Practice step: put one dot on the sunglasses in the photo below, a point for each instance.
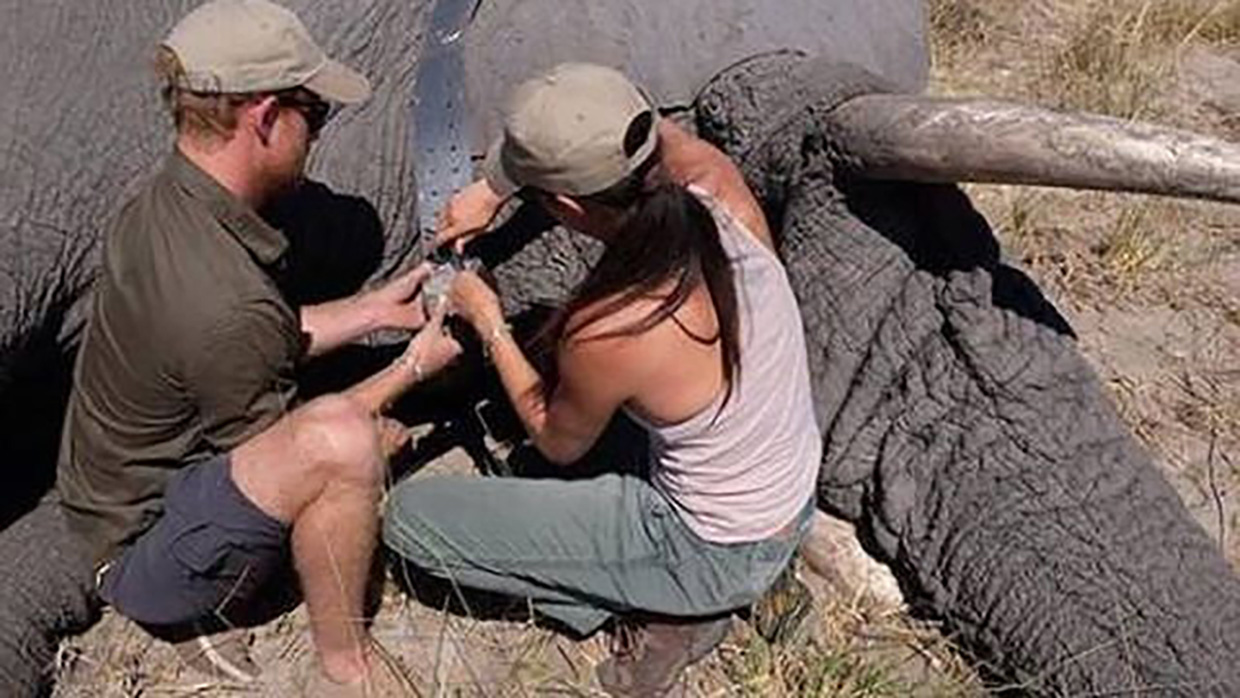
(315, 111)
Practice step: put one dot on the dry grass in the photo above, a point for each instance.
(853, 651)
(1100, 68)
(1120, 59)
(1181, 22)
(846, 649)
(1135, 246)
(957, 25)
(1143, 280)
(1115, 57)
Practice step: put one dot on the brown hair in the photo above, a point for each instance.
(209, 115)
(666, 234)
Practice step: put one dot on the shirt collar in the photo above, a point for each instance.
(262, 240)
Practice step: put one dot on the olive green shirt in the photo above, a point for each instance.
(191, 348)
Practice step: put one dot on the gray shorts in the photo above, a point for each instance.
(211, 550)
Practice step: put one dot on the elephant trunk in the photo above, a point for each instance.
(906, 137)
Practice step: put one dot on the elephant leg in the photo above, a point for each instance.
(48, 594)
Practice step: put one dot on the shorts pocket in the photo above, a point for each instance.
(658, 519)
(200, 548)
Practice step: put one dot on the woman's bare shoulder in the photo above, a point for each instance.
(611, 318)
(693, 161)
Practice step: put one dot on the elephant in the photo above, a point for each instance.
(964, 434)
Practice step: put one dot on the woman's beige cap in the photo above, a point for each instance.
(564, 132)
(242, 46)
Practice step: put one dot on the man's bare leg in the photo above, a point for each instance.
(321, 470)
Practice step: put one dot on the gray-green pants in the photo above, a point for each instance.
(579, 550)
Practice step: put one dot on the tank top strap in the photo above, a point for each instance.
(736, 236)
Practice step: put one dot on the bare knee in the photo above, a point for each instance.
(326, 444)
(338, 441)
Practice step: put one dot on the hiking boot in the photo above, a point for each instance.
(647, 658)
(782, 610)
(386, 678)
(224, 656)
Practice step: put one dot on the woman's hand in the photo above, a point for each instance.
(467, 214)
(473, 300)
(431, 349)
(393, 435)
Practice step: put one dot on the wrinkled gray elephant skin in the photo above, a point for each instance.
(80, 128)
(965, 434)
(47, 594)
(673, 49)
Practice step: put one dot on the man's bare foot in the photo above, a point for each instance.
(383, 677)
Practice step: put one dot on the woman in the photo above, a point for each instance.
(688, 324)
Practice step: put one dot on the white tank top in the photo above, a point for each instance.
(744, 475)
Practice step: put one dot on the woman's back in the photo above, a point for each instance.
(739, 457)
(738, 464)
(675, 366)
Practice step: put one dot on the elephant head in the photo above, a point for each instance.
(964, 433)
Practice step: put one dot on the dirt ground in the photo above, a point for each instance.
(1152, 287)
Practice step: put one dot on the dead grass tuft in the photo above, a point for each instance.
(1119, 57)
(758, 669)
(1136, 245)
(853, 650)
(1180, 22)
(957, 24)
(1108, 65)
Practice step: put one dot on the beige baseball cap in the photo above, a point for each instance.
(565, 132)
(242, 46)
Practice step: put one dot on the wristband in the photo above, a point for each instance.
(414, 364)
(494, 336)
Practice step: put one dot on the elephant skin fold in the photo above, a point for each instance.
(965, 436)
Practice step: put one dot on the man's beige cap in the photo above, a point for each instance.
(242, 46)
(565, 131)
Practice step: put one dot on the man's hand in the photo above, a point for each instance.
(397, 305)
(467, 214)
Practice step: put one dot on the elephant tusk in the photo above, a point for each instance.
(970, 140)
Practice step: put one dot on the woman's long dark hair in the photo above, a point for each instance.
(666, 233)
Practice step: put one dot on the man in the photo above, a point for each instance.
(184, 463)
(687, 324)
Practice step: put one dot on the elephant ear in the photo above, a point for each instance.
(757, 101)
